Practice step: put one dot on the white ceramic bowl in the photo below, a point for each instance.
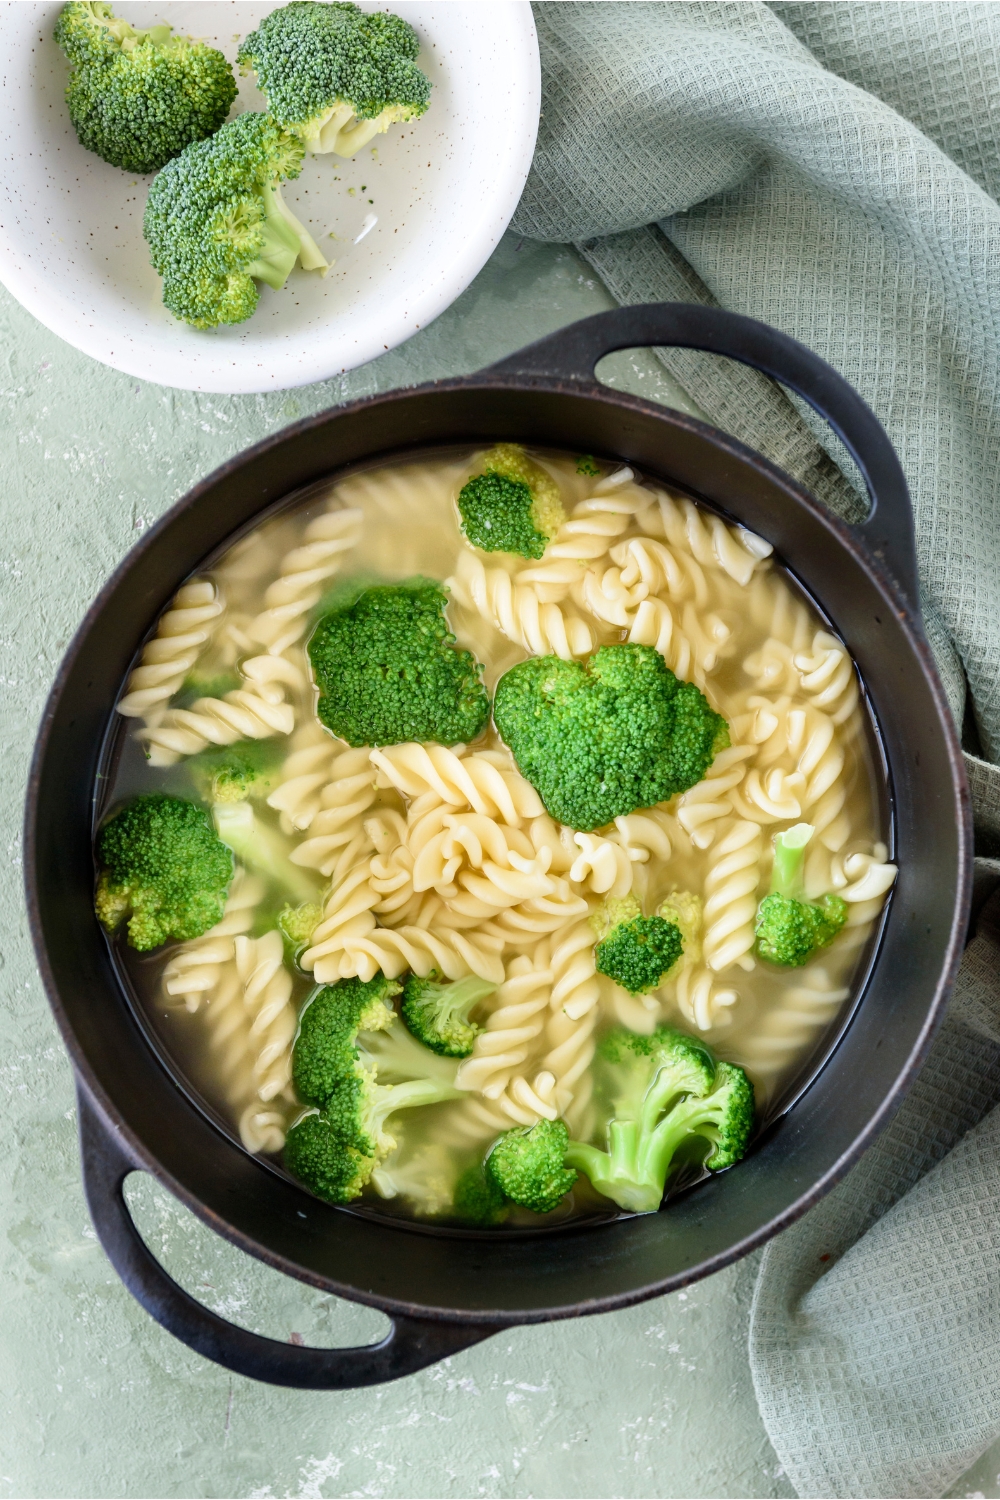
(441, 191)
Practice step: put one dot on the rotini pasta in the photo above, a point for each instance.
(181, 636)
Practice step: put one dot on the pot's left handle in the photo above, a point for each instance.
(410, 1345)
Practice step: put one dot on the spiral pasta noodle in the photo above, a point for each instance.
(731, 898)
(253, 713)
(505, 1041)
(267, 990)
(182, 634)
(518, 613)
(787, 1028)
(828, 677)
(195, 969)
(701, 810)
(484, 781)
(338, 822)
(301, 577)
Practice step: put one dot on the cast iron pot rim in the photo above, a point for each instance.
(839, 531)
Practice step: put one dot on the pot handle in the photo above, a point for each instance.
(572, 353)
(410, 1345)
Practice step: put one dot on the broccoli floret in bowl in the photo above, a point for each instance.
(163, 866)
(138, 97)
(349, 1040)
(637, 952)
(597, 739)
(336, 75)
(388, 669)
(666, 1091)
(790, 929)
(216, 222)
(512, 505)
(438, 1014)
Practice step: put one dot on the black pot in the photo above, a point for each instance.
(445, 1292)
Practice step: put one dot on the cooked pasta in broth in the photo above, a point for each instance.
(502, 950)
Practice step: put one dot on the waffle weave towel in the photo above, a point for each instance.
(833, 169)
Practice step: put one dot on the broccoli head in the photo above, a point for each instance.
(297, 925)
(137, 98)
(248, 769)
(528, 1165)
(513, 505)
(665, 1091)
(216, 222)
(388, 670)
(637, 952)
(343, 1049)
(326, 1047)
(478, 1201)
(586, 464)
(438, 1014)
(790, 929)
(600, 738)
(334, 74)
(163, 866)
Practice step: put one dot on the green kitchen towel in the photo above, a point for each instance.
(833, 169)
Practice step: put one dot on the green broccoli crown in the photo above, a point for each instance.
(600, 738)
(297, 925)
(438, 1014)
(478, 1201)
(342, 1050)
(528, 1166)
(789, 929)
(138, 98)
(326, 1047)
(586, 464)
(235, 773)
(789, 932)
(161, 861)
(215, 221)
(388, 670)
(666, 1090)
(313, 60)
(639, 954)
(512, 506)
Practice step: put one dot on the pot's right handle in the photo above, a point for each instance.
(572, 353)
(410, 1345)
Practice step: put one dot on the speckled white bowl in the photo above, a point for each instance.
(442, 191)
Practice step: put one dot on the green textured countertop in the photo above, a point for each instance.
(98, 1400)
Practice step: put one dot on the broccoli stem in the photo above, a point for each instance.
(386, 1099)
(619, 1173)
(260, 849)
(789, 861)
(311, 257)
(285, 242)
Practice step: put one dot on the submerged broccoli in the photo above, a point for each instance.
(528, 1165)
(343, 1048)
(297, 925)
(637, 952)
(334, 74)
(216, 222)
(789, 928)
(161, 861)
(137, 98)
(478, 1201)
(248, 769)
(438, 1014)
(388, 670)
(263, 850)
(512, 506)
(666, 1091)
(600, 738)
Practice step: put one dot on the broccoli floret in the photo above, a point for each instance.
(666, 1090)
(790, 929)
(263, 850)
(600, 738)
(513, 505)
(161, 861)
(216, 222)
(438, 1014)
(335, 75)
(326, 1047)
(249, 769)
(585, 464)
(388, 670)
(478, 1201)
(528, 1165)
(638, 952)
(341, 1050)
(137, 98)
(424, 1176)
(297, 925)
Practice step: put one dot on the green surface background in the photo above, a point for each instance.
(98, 1400)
